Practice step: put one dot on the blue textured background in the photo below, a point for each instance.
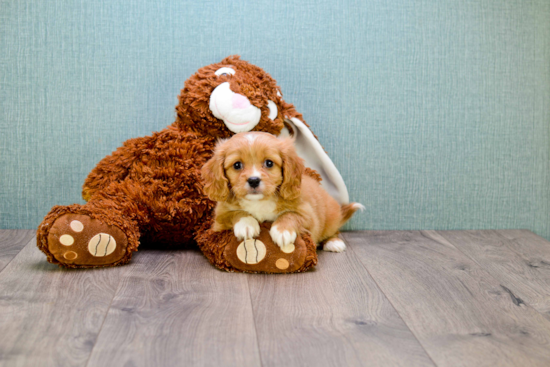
(436, 112)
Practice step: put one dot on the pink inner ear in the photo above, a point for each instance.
(240, 101)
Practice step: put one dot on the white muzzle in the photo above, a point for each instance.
(236, 111)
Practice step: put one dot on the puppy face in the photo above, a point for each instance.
(253, 166)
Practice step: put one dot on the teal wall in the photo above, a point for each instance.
(436, 112)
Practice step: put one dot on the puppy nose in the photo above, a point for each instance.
(254, 182)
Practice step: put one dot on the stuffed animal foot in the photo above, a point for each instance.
(76, 237)
(259, 254)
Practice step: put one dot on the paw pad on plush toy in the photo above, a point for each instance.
(102, 244)
(261, 254)
(79, 239)
(251, 251)
(288, 249)
(282, 264)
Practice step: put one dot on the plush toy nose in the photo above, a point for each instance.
(240, 101)
(254, 182)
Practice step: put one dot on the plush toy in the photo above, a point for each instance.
(150, 191)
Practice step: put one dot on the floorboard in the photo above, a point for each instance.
(333, 316)
(461, 314)
(11, 242)
(393, 298)
(50, 316)
(174, 309)
(519, 259)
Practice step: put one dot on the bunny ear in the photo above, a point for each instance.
(314, 156)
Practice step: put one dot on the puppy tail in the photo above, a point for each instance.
(348, 210)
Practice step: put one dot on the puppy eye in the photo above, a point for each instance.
(237, 165)
(268, 163)
(225, 71)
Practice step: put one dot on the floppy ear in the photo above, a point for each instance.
(216, 185)
(293, 168)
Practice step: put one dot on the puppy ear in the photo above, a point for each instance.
(293, 168)
(216, 185)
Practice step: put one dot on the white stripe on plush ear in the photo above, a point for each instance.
(315, 158)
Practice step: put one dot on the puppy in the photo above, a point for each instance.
(256, 177)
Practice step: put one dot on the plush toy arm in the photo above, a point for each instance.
(113, 167)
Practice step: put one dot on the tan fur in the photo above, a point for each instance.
(296, 201)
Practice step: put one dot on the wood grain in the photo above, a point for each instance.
(175, 309)
(519, 259)
(11, 242)
(332, 316)
(459, 298)
(459, 313)
(50, 316)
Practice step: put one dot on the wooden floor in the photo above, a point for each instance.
(395, 298)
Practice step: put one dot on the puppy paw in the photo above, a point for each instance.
(335, 245)
(246, 227)
(282, 238)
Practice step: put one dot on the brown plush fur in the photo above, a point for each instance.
(151, 187)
